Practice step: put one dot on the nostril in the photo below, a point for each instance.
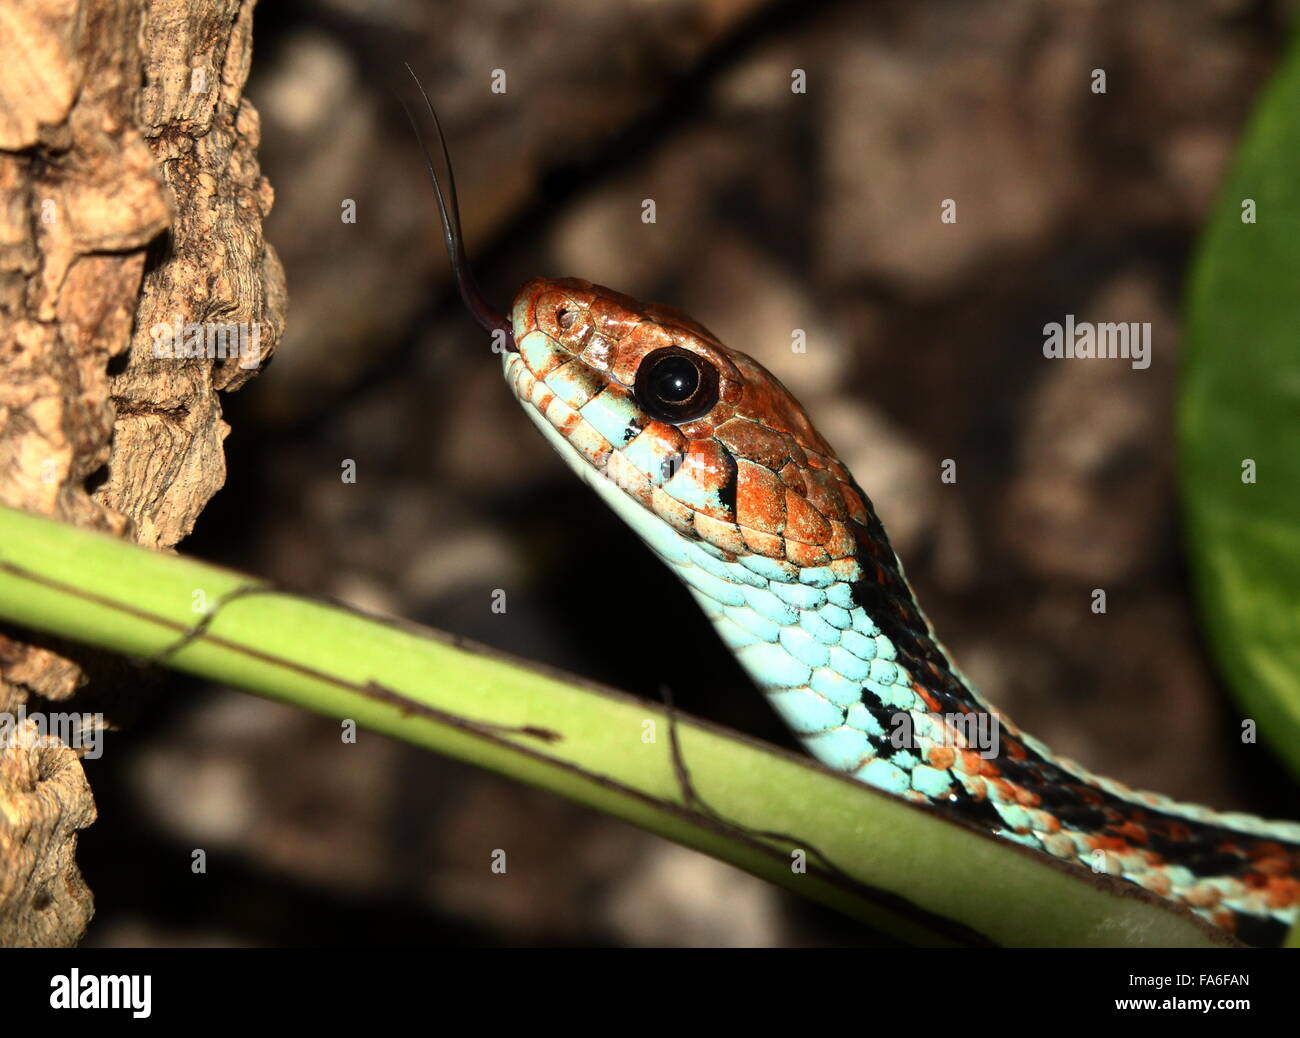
(565, 318)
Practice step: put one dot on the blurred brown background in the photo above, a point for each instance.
(775, 211)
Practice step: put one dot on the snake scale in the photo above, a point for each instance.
(718, 469)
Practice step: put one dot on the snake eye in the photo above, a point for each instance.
(676, 385)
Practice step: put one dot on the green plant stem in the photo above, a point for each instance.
(901, 868)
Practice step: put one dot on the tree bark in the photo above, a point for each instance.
(131, 210)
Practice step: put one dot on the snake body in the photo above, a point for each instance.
(716, 466)
(740, 497)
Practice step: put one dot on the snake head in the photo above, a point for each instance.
(665, 421)
(650, 407)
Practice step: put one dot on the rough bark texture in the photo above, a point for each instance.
(130, 200)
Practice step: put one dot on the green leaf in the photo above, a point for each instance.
(1240, 407)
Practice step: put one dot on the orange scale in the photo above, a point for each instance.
(1266, 849)
(1130, 830)
(842, 543)
(792, 477)
(632, 348)
(803, 522)
(766, 544)
(1014, 750)
(989, 768)
(1282, 892)
(1045, 822)
(1273, 866)
(932, 704)
(730, 391)
(705, 428)
(847, 569)
(977, 788)
(754, 442)
(722, 535)
(612, 331)
(942, 757)
(611, 318)
(824, 493)
(760, 498)
(1225, 921)
(857, 508)
(806, 554)
(1004, 790)
(547, 307)
(673, 512)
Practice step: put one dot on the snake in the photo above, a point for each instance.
(715, 466)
